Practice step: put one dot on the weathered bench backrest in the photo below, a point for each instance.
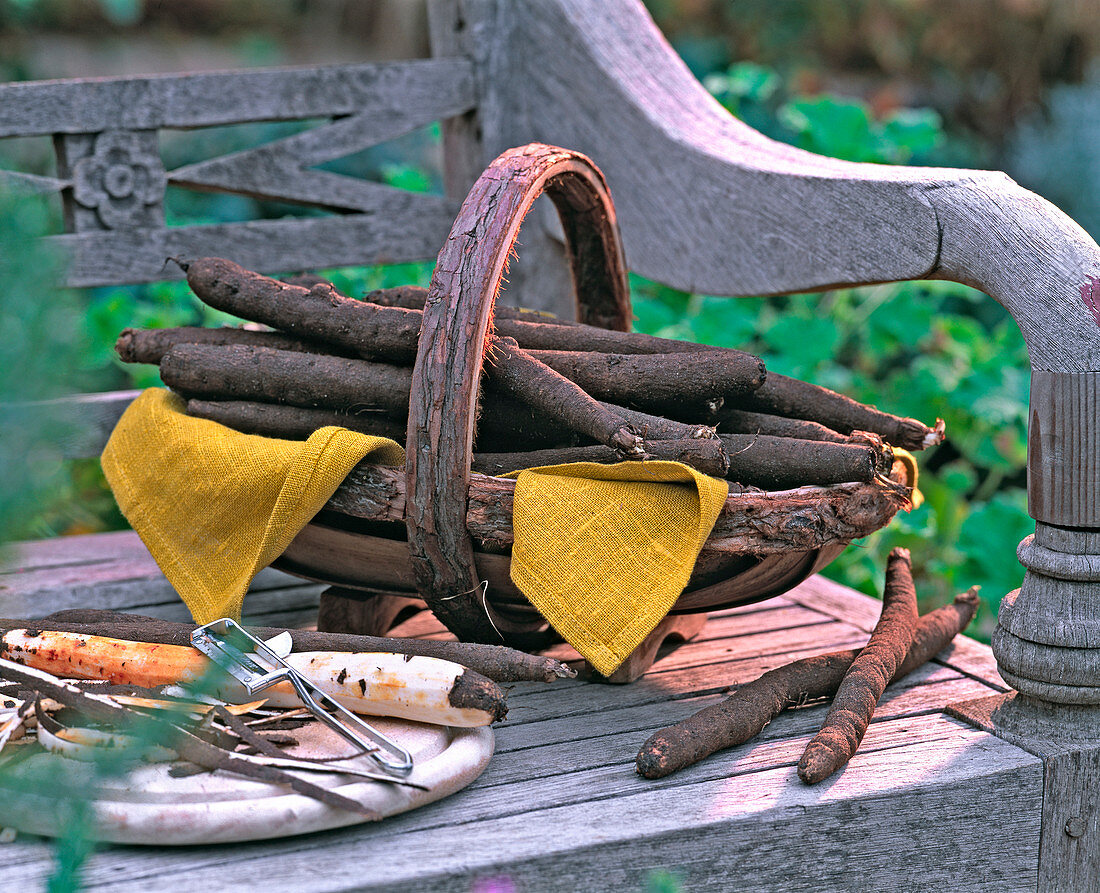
(112, 179)
(705, 203)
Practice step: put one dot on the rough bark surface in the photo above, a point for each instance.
(796, 399)
(658, 380)
(779, 463)
(237, 372)
(752, 522)
(523, 377)
(150, 345)
(706, 456)
(320, 313)
(856, 697)
(292, 422)
(730, 420)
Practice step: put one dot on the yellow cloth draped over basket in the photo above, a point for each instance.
(603, 551)
(215, 506)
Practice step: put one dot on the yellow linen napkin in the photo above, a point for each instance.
(603, 551)
(214, 506)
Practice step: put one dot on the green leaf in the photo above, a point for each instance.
(840, 128)
(803, 343)
(911, 132)
(747, 80)
(407, 177)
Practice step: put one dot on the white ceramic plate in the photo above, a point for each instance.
(149, 806)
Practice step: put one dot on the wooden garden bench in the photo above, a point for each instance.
(961, 782)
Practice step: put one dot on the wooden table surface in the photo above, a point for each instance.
(927, 803)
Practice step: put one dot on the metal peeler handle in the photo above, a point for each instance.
(213, 640)
(320, 704)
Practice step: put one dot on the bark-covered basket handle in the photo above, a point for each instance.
(458, 314)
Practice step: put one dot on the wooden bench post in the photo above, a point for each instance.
(539, 277)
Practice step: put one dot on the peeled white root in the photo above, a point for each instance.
(417, 688)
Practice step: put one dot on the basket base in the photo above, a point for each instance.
(375, 613)
(333, 551)
(364, 613)
(675, 629)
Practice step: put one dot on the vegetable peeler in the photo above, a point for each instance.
(258, 665)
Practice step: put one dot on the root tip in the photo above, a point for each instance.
(818, 763)
(561, 671)
(652, 760)
(936, 435)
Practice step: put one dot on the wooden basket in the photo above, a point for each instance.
(438, 531)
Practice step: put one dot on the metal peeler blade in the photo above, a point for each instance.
(257, 665)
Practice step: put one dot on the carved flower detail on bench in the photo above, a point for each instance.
(119, 179)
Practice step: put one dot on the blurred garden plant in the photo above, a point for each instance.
(39, 353)
(40, 356)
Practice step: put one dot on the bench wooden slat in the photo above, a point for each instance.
(115, 571)
(80, 423)
(30, 184)
(281, 169)
(203, 100)
(409, 229)
(605, 739)
(536, 784)
(919, 694)
(564, 774)
(660, 684)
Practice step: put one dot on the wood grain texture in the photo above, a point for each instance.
(1064, 449)
(862, 611)
(206, 100)
(540, 277)
(281, 169)
(1067, 739)
(117, 180)
(114, 571)
(364, 614)
(751, 221)
(1069, 850)
(701, 830)
(1051, 612)
(739, 228)
(755, 522)
(1047, 640)
(1068, 539)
